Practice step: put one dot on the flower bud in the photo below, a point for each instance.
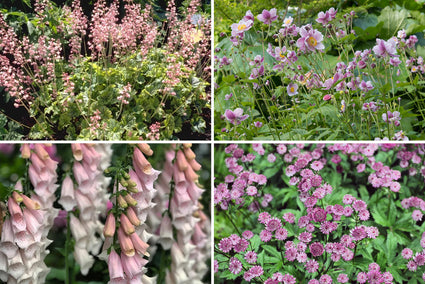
(121, 202)
(41, 152)
(191, 175)
(132, 216)
(190, 155)
(26, 151)
(126, 225)
(145, 148)
(130, 200)
(181, 161)
(109, 229)
(29, 203)
(125, 243)
(140, 161)
(123, 182)
(187, 145)
(138, 244)
(17, 197)
(195, 165)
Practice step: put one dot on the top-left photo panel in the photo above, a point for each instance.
(105, 70)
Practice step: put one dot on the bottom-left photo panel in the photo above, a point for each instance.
(105, 213)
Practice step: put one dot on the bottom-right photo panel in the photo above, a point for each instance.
(319, 213)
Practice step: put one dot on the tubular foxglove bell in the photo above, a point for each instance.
(67, 199)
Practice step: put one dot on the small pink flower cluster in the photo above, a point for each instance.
(375, 275)
(154, 134)
(125, 94)
(417, 260)
(415, 202)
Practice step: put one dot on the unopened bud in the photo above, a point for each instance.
(145, 148)
(25, 151)
(130, 200)
(109, 229)
(181, 161)
(121, 201)
(123, 182)
(17, 197)
(29, 203)
(126, 225)
(195, 165)
(189, 154)
(132, 216)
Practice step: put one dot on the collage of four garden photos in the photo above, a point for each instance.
(190, 141)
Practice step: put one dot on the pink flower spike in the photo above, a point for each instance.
(115, 268)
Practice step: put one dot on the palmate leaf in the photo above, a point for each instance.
(394, 20)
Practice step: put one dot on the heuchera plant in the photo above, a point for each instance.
(316, 213)
(122, 214)
(306, 82)
(108, 77)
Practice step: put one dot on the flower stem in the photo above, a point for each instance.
(67, 244)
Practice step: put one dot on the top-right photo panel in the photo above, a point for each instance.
(319, 70)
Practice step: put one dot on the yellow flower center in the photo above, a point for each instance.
(292, 89)
(288, 21)
(282, 55)
(241, 27)
(312, 41)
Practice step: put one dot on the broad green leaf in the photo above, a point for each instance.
(394, 20)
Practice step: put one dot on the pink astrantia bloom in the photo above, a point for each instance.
(268, 17)
(235, 117)
(310, 40)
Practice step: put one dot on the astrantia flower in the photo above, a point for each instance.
(235, 266)
(292, 89)
(311, 266)
(385, 48)
(265, 236)
(268, 17)
(251, 257)
(406, 253)
(273, 224)
(235, 117)
(281, 234)
(316, 249)
(310, 40)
